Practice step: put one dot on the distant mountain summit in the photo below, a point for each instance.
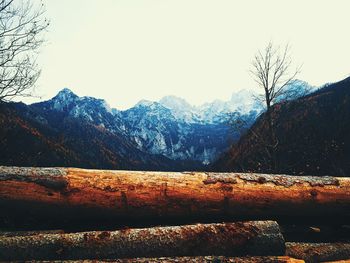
(64, 99)
(180, 108)
(213, 112)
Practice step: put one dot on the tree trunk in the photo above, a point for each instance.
(62, 193)
(230, 239)
(318, 252)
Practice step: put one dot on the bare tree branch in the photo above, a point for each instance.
(21, 35)
(271, 70)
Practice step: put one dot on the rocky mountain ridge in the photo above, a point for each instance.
(170, 127)
(169, 134)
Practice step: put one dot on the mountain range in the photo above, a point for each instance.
(170, 134)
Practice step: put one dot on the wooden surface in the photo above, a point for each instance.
(134, 194)
(318, 252)
(230, 239)
(204, 259)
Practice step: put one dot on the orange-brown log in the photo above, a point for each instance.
(318, 252)
(135, 194)
(338, 261)
(28, 233)
(203, 259)
(230, 239)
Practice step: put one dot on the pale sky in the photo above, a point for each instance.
(127, 50)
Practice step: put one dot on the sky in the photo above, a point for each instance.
(201, 50)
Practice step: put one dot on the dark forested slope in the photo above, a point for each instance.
(313, 134)
(30, 136)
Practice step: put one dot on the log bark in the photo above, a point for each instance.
(338, 261)
(131, 194)
(204, 259)
(28, 233)
(318, 252)
(230, 239)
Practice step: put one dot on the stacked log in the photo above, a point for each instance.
(205, 259)
(318, 252)
(75, 196)
(231, 239)
(126, 194)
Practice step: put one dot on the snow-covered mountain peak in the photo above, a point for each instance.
(149, 109)
(65, 91)
(67, 98)
(175, 103)
(296, 89)
(180, 108)
(65, 94)
(96, 102)
(243, 93)
(63, 99)
(244, 101)
(145, 103)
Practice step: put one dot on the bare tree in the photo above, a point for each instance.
(271, 69)
(22, 25)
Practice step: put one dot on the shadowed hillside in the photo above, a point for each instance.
(32, 137)
(313, 134)
(69, 130)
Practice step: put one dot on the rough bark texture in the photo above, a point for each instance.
(318, 252)
(231, 239)
(338, 261)
(28, 233)
(70, 191)
(206, 259)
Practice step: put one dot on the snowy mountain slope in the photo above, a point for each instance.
(96, 111)
(213, 112)
(155, 129)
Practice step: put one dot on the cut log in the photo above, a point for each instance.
(128, 194)
(318, 252)
(213, 259)
(231, 239)
(338, 261)
(28, 233)
(205, 259)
